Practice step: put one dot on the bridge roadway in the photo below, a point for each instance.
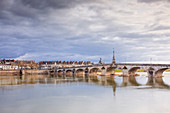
(154, 70)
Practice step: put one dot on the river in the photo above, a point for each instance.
(98, 94)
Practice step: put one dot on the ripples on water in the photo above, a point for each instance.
(98, 94)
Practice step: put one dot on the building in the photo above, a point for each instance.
(8, 64)
(26, 64)
(61, 64)
(100, 61)
(11, 64)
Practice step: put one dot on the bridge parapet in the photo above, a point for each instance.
(154, 70)
(104, 69)
(128, 68)
(139, 64)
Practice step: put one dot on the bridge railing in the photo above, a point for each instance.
(138, 64)
(75, 67)
(124, 64)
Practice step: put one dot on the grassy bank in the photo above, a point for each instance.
(138, 70)
(118, 70)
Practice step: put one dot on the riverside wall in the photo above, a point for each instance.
(9, 72)
(32, 72)
(26, 72)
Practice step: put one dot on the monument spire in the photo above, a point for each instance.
(100, 61)
(113, 60)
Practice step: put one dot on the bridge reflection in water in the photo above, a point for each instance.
(113, 81)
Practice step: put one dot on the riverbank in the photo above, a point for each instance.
(27, 72)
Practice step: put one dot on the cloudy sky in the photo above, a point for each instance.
(85, 30)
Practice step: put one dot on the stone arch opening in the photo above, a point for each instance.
(80, 72)
(103, 68)
(69, 73)
(60, 73)
(133, 70)
(124, 67)
(159, 73)
(95, 71)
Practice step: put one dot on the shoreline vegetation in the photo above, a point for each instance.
(138, 70)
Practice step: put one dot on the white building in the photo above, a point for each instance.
(8, 67)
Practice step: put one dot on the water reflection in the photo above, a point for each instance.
(166, 77)
(83, 94)
(114, 81)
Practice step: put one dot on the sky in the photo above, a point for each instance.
(86, 30)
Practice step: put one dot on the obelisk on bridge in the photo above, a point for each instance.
(113, 60)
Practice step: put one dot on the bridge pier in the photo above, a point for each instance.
(73, 73)
(86, 71)
(55, 73)
(151, 73)
(64, 73)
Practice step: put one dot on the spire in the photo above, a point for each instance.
(113, 60)
(100, 61)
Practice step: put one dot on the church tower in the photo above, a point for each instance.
(100, 61)
(113, 60)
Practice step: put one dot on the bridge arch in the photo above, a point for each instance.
(94, 71)
(60, 73)
(69, 73)
(159, 72)
(80, 72)
(103, 68)
(133, 70)
(124, 67)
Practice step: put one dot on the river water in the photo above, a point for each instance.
(45, 94)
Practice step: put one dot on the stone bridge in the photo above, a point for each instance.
(90, 70)
(153, 70)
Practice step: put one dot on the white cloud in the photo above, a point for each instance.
(57, 56)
